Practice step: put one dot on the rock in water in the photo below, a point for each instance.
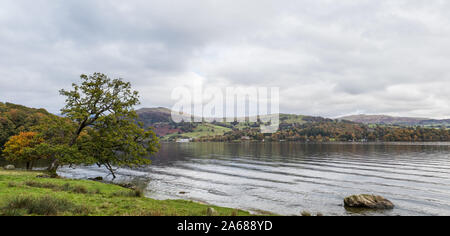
(368, 201)
(96, 178)
(10, 167)
(211, 212)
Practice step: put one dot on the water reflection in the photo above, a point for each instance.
(287, 178)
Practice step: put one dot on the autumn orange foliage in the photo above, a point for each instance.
(21, 148)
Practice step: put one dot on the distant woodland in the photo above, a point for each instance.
(292, 128)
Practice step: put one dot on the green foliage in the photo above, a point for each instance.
(58, 134)
(51, 130)
(100, 127)
(96, 97)
(16, 118)
(107, 132)
(329, 130)
(7, 129)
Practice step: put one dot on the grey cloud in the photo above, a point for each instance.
(328, 58)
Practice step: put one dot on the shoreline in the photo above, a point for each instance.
(92, 198)
(330, 142)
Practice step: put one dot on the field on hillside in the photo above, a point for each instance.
(202, 130)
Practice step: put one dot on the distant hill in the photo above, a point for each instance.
(298, 128)
(150, 116)
(16, 118)
(391, 120)
(160, 119)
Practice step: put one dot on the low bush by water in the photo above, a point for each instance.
(129, 193)
(66, 187)
(46, 206)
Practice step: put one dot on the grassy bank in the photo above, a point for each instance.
(23, 193)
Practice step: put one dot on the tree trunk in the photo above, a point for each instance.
(55, 164)
(111, 170)
(53, 168)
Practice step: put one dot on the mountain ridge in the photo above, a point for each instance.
(395, 120)
(361, 118)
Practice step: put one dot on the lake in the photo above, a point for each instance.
(288, 178)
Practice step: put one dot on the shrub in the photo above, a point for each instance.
(138, 192)
(79, 189)
(128, 193)
(45, 206)
(35, 184)
(66, 187)
(14, 212)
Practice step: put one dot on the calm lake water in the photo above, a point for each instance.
(287, 178)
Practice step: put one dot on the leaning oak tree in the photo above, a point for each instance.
(118, 141)
(107, 132)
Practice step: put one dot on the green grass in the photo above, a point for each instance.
(21, 193)
(292, 119)
(244, 125)
(202, 130)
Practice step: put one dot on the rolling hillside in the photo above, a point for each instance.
(400, 121)
(162, 123)
(17, 118)
(161, 120)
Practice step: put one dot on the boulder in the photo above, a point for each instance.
(368, 201)
(10, 167)
(128, 185)
(211, 212)
(99, 178)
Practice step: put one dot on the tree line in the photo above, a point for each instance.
(331, 130)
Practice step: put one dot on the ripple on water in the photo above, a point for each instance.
(287, 178)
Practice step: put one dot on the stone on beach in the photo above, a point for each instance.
(10, 167)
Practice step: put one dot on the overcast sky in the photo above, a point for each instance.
(329, 58)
